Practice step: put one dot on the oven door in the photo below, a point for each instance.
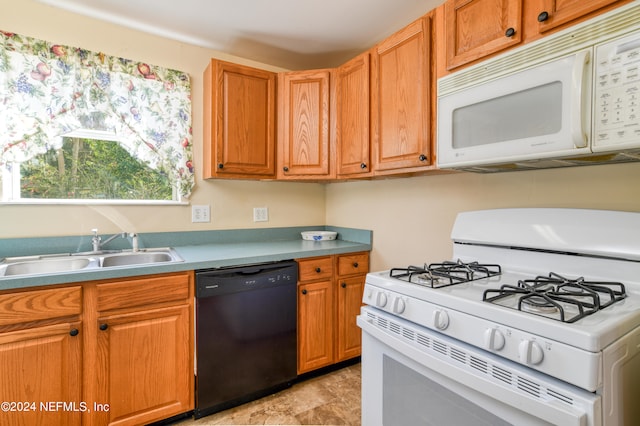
(412, 375)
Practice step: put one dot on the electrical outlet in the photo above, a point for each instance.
(200, 214)
(260, 214)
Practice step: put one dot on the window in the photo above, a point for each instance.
(88, 169)
(81, 125)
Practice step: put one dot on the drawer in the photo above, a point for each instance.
(143, 291)
(36, 305)
(351, 264)
(315, 268)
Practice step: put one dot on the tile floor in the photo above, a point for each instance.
(331, 399)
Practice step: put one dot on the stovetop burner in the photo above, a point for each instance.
(436, 275)
(557, 297)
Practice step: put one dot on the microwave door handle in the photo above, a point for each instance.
(580, 135)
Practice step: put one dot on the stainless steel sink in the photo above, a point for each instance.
(44, 266)
(51, 264)
(138, 258)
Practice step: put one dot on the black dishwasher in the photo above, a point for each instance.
(246, 334)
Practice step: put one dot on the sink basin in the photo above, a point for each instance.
(90, 261)
(140, 258)
(45, 266)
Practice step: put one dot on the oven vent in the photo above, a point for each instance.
(423, 340)
(382, 322)
(408, 334)
(529, 386)
(478, 364)
(395, 327)
(458, 355)
(501, 374)
(440, 347)
(557, 395)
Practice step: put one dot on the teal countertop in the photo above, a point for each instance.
(200, 250)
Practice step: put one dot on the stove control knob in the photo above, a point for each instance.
(381, 300)
(398, 305)
(440, 319)
(530, 352)
(493, 339)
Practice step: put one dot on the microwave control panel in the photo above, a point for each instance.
(617, 94)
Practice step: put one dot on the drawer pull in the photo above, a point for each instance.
(103, 327)
(318, 270)
(355, 264)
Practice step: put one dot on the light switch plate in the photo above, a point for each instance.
(200, 213)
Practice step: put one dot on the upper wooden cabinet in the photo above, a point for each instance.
(477, 28)
(400, 100)
(306, 134)
(553, 13)
(239, 121)
(352, 134)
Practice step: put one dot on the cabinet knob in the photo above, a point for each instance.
(318, 270)
(220, 166)
(510, 32)
(363, 165)
(355, 264)
(343, 285)
(74, 332)
(422, 157)
(304, 291)
(285, 168)
(543, 16)
(103, 327)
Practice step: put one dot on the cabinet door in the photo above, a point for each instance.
(41, 369)
(239, 119)
(557, 12)
(305, 141)
(353, 142)
(315, 325)
(143, 360)
(349, 302)
(475, 29)
(400, 102)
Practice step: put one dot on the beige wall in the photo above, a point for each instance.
(411, 218)
(231, 202)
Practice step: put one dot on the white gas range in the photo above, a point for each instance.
(536, 319)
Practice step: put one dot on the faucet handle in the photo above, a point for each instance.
(94, 231)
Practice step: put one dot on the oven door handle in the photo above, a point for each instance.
(548, 410)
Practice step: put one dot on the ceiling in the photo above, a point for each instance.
(292, 34)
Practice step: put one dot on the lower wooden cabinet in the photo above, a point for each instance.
(41, 369)
(315, 325)
(41, 356)
(143, 363)
(116, 352)
(329, 299)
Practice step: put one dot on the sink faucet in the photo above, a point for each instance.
(134, 241)
(97, 243)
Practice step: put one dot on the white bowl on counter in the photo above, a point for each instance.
(319, 235)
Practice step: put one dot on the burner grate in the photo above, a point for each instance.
(437, 275)
(557, 297)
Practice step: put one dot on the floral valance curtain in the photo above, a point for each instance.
(48, 90)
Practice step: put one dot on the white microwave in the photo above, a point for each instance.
(572, 98)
